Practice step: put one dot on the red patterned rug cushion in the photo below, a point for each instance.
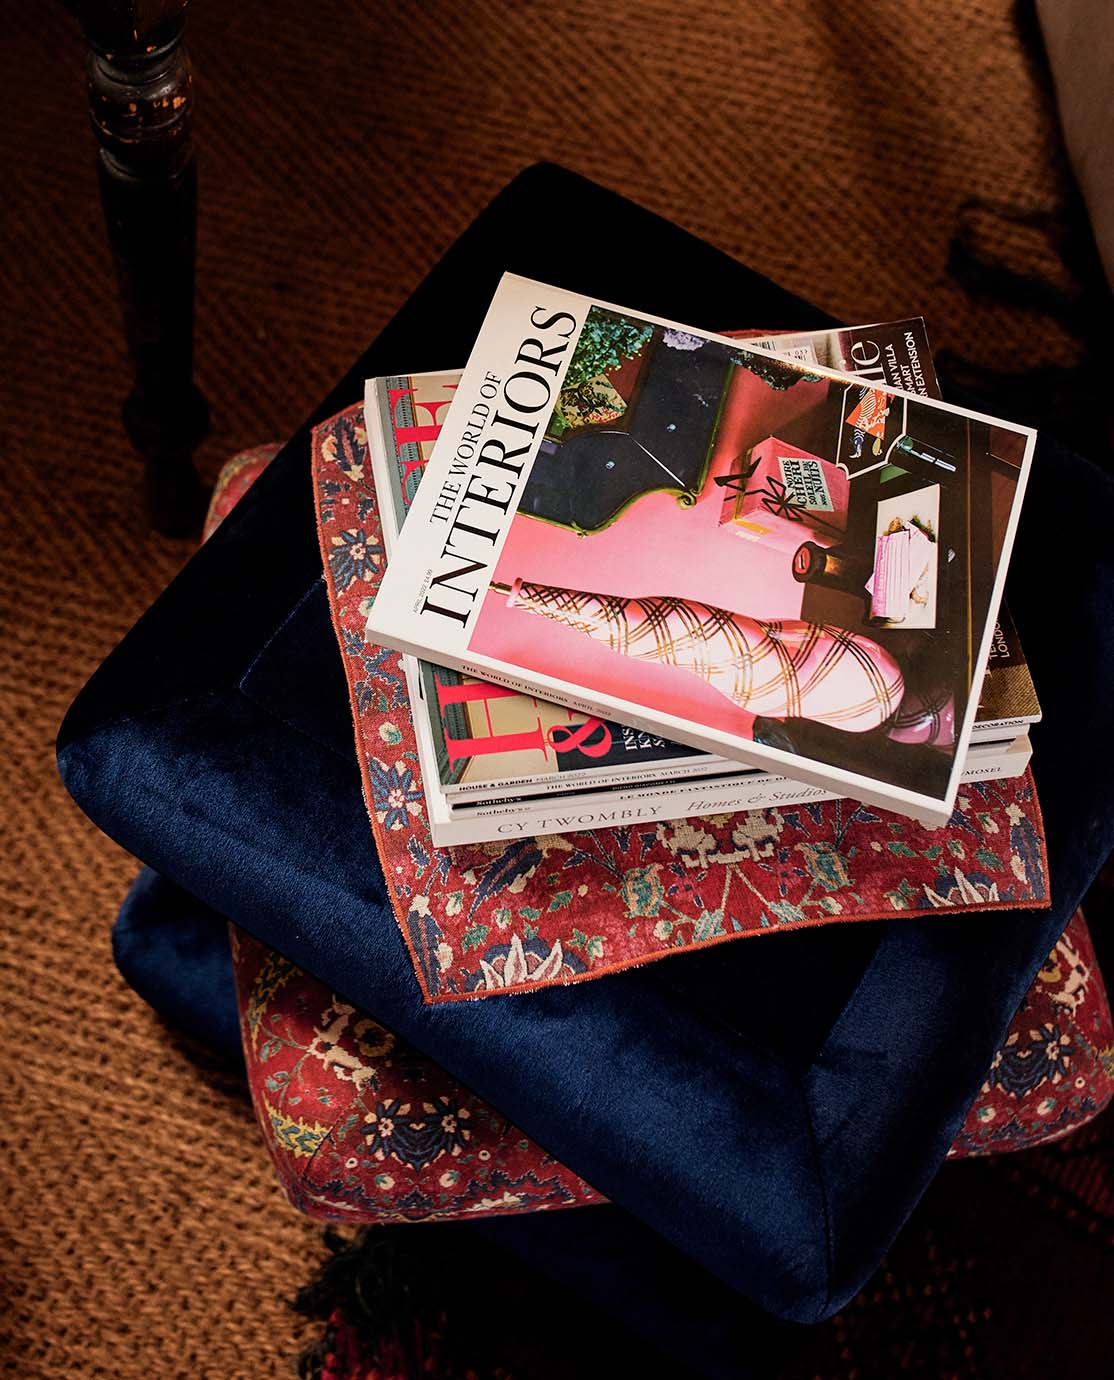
(1055, 1069)
(363, 1128)
(235, 479)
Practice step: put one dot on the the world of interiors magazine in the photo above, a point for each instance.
(495, 741)
(478, 744)
(403, 415)
(649, 522)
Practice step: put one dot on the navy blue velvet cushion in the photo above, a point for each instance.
(773, 1109)
(173, 950)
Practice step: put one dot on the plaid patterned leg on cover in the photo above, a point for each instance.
(785, 669)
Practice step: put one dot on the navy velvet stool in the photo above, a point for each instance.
(766, 1115)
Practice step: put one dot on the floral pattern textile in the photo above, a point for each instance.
(1055, 1068)
(361, 1127)
(495, 918)
(235, 479)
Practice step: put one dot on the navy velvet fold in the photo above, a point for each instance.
(173, 950)
(773, 1109)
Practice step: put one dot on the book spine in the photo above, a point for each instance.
(989, 730)
(619, 809)
(564, 782)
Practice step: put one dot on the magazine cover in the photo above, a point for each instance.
(504, 743)
(889, 353)
(489, 741)
(485, 743)
(755, 556)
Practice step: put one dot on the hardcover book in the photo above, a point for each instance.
(643, 521)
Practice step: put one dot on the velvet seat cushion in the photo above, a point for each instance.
(362, 1127)
(774, 1114)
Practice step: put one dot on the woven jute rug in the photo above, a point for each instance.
(843, 149)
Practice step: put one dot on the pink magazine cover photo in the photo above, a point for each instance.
(720, 536)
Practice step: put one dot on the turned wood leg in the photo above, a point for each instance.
(140, 100)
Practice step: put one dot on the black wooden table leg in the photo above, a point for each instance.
(140, 97)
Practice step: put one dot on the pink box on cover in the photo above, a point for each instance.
(783, 496)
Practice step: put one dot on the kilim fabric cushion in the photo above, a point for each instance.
(361, 1127)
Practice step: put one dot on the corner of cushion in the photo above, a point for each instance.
(815, 1305)
(76, 756)
(293, 1165)
(87, 747)
(795, 1284)
(294, 1175)
(544, 171)
(293, 1143)
(80, 724)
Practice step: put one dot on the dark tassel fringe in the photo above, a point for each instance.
(378, 1297)
(1041, 260)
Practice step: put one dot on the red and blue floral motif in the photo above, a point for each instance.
(355, 555)
(1055, 1069)
(363, 1128)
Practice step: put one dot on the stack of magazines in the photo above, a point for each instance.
(642, 572)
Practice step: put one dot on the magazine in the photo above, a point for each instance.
(646, 522)
(492, 742)
(454, 824)
(890, 353)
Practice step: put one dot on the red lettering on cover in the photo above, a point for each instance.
(534, 740)
(592, 737)
(580, 736)
(404, 435)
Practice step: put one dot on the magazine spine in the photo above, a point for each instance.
(595, 810)
(990, 730)
(558, 782)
